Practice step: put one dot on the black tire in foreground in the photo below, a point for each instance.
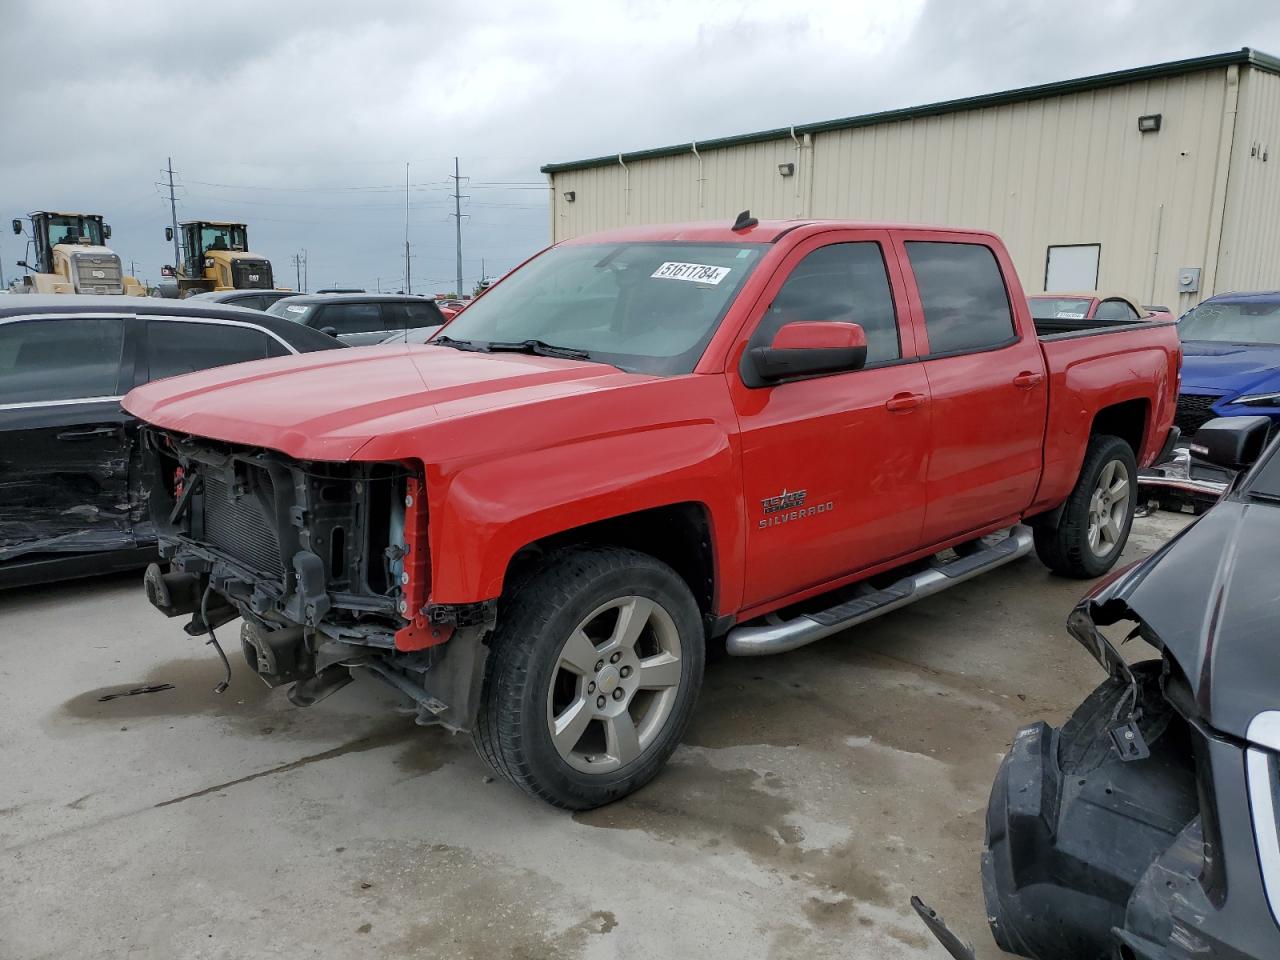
(1095, 522)
(592, 676)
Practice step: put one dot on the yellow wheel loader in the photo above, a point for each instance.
(70, 256)
(215, 256)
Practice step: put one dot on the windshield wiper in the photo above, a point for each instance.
(459, 344)
(539, 348)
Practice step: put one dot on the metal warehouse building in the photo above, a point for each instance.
(1157, 181)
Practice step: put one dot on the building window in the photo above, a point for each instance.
(1071, 267)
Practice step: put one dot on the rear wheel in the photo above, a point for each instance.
(1095, 522)
(593, 674)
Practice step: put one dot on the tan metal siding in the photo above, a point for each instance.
(1062, 170)
(1250, 253)
(1067, 170)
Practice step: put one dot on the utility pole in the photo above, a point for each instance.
(173, 214)
(379, 284)
(408, 282)
(297, 272)
(304, 270)
(457, 216)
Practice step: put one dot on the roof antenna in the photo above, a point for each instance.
(745, 221)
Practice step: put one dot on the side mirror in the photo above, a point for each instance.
(106, 231)
(331, 331)
(23, 264)
(17, 227)
(168, 233)
(1232, 442)
(808, 348)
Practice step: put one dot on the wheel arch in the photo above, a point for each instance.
(1128, 420)
(678, 534)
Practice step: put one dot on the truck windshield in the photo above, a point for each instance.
(646, 307)
(1233, 323)
(222, 237)
(1060, 308)
(67, 229)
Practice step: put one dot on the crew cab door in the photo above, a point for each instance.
(986, 377)
(64, 440)
(833, 466)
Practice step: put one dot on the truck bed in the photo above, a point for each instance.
(1059, 329)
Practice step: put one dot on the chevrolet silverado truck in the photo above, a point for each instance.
(638, 444)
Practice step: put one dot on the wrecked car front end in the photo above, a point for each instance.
(1145, 828)
(326, 562)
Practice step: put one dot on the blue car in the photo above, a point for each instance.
(1231, 359)
(1230, 367)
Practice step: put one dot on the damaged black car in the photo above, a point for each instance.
(72, 493)
(1146, 828)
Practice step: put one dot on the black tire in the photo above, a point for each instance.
(1065, 549)
(534, 623)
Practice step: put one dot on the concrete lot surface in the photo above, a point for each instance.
(816, 792)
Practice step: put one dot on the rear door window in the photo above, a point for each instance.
(175, 347)
(966, 305)
(72, 358)
(348, 318)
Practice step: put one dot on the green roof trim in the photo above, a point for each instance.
(1246, 56)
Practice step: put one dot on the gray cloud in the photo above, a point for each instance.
(299, 117)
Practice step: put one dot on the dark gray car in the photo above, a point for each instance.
(253, 299)
(360, 319)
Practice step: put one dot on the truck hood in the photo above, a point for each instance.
(327, 405)
(1208, 598)
(1227, 368)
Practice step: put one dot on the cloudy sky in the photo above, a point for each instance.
(299, 117)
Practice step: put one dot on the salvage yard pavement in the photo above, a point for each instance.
(815, 793)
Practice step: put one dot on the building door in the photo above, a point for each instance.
(1072, 267)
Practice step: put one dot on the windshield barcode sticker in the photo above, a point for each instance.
(697, 272)
(1070, 316)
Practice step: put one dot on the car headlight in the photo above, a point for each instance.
(1259, 400)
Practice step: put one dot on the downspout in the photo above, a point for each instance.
(626, 189)
(1222, 171)
(799, 172)
(694, 146)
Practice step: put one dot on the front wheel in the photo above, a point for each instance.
(592, 677)
(1095, 522)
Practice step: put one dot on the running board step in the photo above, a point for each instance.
(781, 636)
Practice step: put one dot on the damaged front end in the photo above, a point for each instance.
(1129, 832)
(327, 563)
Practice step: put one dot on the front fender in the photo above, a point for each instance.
(485, 513)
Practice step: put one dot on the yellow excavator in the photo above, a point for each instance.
(71, 256)
(215, 256)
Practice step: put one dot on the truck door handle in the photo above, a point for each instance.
(1026, 379)
(902, 402)
(88, 434)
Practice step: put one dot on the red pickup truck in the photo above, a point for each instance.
(638, 444)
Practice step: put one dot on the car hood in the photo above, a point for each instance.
(1227, 368)
(327, 405)
(1210, 599)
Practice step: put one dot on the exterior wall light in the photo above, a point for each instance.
(570, 196)
(1150, 123)
(786, 169)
